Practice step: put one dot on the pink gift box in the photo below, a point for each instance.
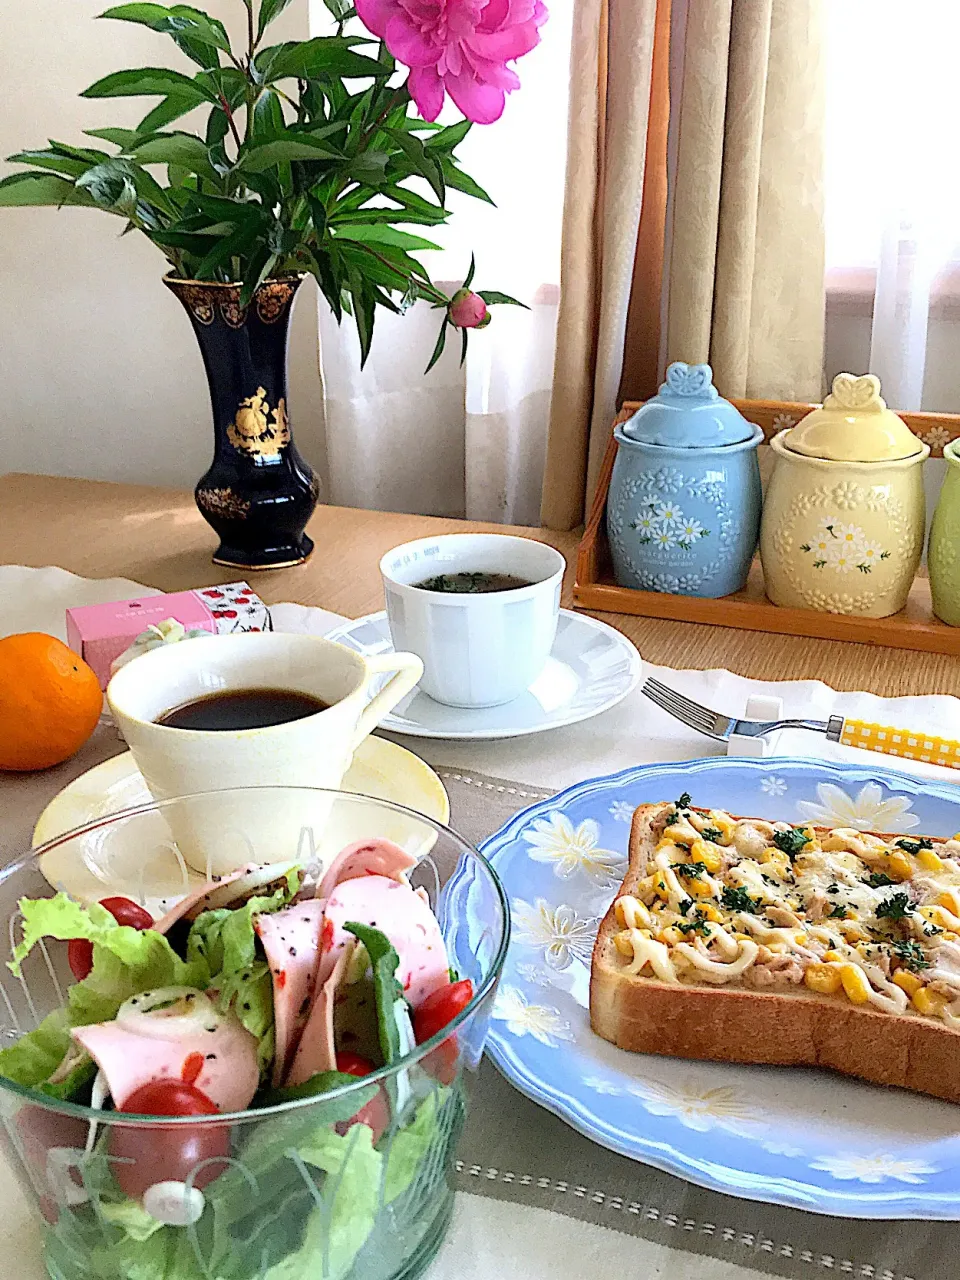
(101, 632)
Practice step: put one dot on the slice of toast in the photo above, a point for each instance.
(792, 1026)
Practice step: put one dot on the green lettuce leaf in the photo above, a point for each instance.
(341, 1222)
(36, 1055)
(131, 1217)
(408, 1146)
(125, 962)
(225, 941)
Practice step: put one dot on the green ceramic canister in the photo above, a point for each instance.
(943, 554)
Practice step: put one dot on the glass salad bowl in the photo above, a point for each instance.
(345, 1175)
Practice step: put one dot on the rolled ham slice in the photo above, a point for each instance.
(252, 878)
(291, 940)
(400, 913)
(202, 1046)
(317, 1049)
(375, 857)
(197, 899)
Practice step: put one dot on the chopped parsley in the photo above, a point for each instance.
(878, 880)
(738, 899)
(833, 888)
(684, 905)
(931, 930)
(839, 910)
(914, 846)
(897, 907)
(684, 802)
(694, 869)
(713, 834)
(791, 842)
(910, 955)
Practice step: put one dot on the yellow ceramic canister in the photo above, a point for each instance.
(843, 517)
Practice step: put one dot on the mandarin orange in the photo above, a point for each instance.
(50, 702)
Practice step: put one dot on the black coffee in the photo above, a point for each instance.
(473, 583)
(242, 709)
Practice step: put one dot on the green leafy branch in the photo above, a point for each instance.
(307, 158)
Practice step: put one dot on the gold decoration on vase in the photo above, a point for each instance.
(230, 309)
(224, 502)
(273, 298)
(200, 303)
(253, 433)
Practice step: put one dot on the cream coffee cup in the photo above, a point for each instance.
(314, 751)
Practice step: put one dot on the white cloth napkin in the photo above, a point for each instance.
(637, 732)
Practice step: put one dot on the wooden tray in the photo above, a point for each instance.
(915, 627)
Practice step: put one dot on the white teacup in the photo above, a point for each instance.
(483, 649)
(314, 751)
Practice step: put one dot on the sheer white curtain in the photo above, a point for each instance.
(893, 191)
(466, 441)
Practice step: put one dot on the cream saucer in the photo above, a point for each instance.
(107, 859)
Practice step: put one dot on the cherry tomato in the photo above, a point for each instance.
(442, 1062)
(41, 1131)
(80, 950)
(124, 911)
(441, 1008)
(167, 1153)
(376, 1112)
(80, 957)
(351, 1064)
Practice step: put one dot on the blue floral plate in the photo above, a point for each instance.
(805, 1138)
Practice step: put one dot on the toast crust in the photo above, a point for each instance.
(736, 1024)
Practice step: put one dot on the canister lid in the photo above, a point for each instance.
(854, 425)
(688, 413)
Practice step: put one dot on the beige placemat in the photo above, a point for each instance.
(515, 1150)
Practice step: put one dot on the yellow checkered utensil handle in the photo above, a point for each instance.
(901, 742)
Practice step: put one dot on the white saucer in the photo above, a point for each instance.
(113, 858)
(592, 667)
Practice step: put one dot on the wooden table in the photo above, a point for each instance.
(156, 536)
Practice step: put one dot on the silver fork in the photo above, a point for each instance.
(715, 725)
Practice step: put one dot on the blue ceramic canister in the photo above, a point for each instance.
(683, 513)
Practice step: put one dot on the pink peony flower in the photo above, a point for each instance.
(460, 47)
(467, 310)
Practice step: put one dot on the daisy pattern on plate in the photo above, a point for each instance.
(664, 539)
(874, 1168)
(773, 786)
(558, 932)
(783, 420)
(695, 1105)
(621, 811)
(536, 974)
(599, 1084)
(555, 839)
(541, 1021)
(778, 1148)
(867, 811)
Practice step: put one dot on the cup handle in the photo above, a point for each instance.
(407, 670)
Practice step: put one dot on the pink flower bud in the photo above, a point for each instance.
(467, 310)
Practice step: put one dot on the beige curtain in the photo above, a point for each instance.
(744, 270)
(611, 64)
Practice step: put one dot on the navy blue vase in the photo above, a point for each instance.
(259, 493)
(683, 512)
